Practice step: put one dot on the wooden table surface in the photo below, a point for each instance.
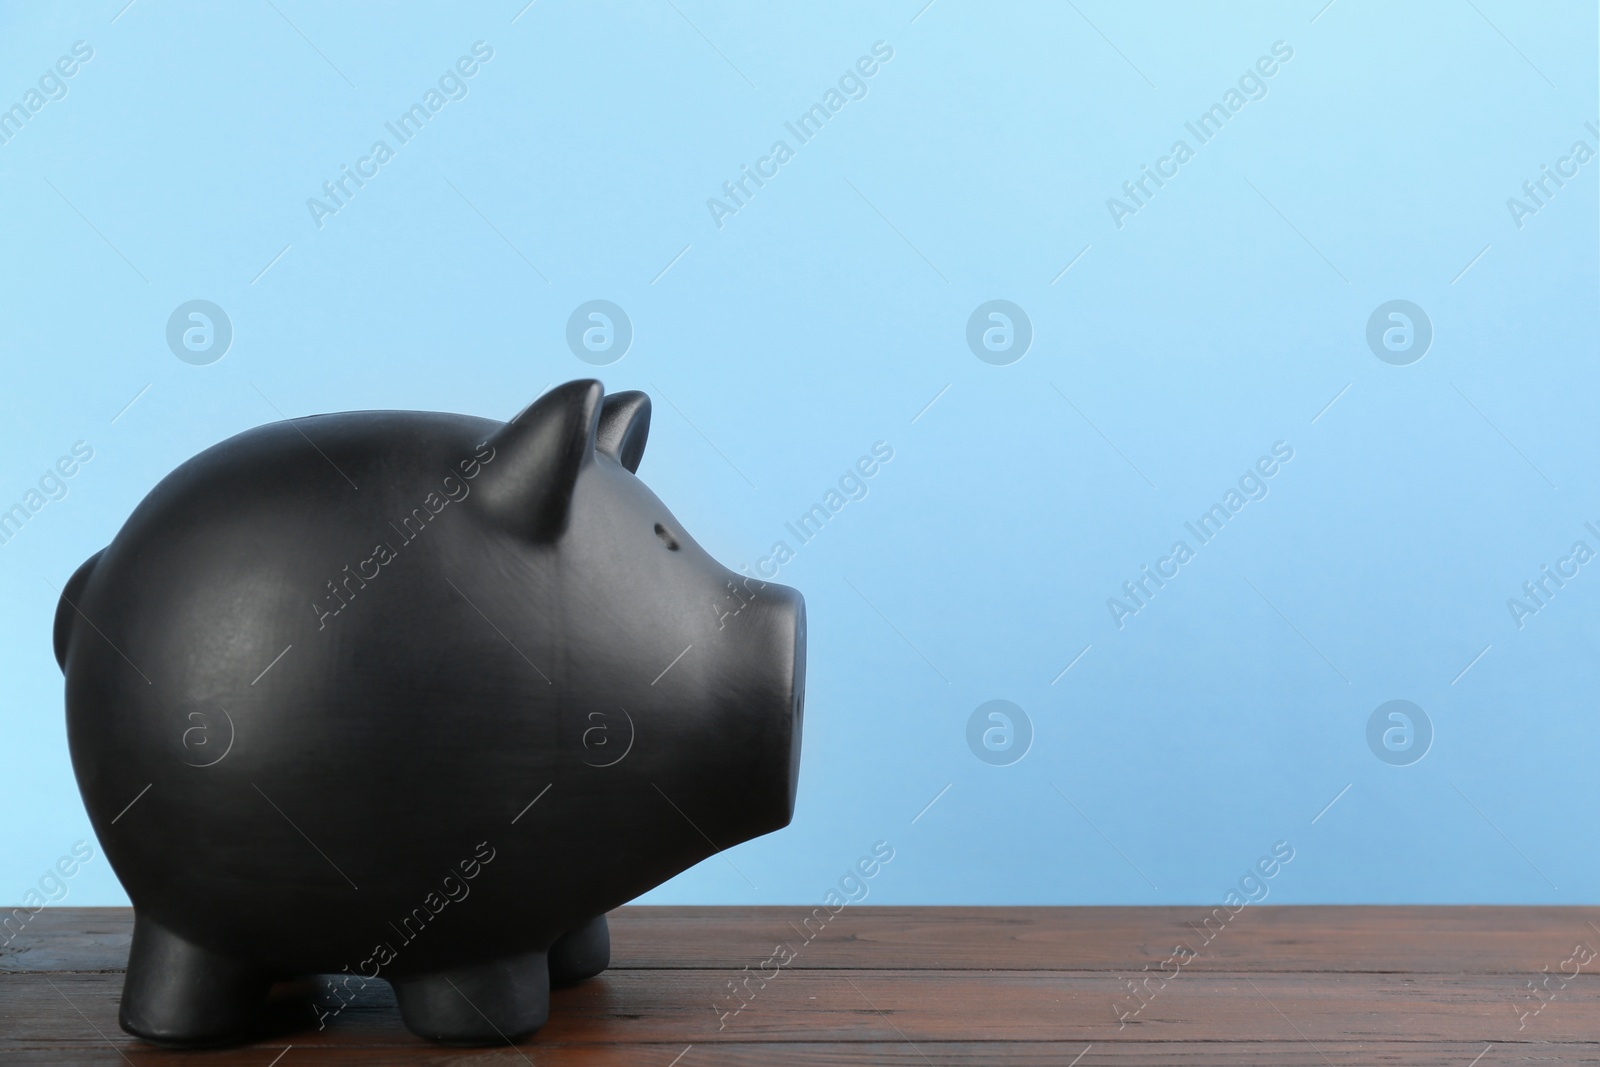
(1473, 986)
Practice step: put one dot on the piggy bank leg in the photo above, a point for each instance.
(582, 952)
(485, 1004)
(178, 993)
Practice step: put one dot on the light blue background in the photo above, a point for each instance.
(824, 316)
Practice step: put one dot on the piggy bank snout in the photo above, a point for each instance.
(784, 626)
(785, 623)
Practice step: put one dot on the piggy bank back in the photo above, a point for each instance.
(415, 697)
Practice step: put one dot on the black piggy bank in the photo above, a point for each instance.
(418, 697)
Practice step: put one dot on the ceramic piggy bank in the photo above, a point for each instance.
(415, 697)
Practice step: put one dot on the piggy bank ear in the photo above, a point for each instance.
(537, 458)
(624, 425)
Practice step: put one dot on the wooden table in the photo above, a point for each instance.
(1272, 986)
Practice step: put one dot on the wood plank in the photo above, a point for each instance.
(885, 1006)
(1319, 938)
(851, 1054)
(1259, 938)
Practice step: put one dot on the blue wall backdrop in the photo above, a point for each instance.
(1237, 364)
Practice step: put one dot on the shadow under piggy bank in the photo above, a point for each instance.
(418, 697)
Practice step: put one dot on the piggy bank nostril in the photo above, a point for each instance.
(666, 538)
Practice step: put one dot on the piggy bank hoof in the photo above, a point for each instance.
(178, 994)
(582, 952)
(486, 1004)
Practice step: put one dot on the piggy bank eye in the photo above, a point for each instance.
(666, 538)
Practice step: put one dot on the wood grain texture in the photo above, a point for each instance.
(1274, 985)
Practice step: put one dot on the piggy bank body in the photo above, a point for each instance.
(415, 697)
